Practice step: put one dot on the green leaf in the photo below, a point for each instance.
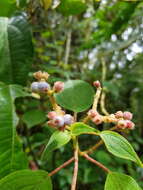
(7, 7)
(57, 140)
(16, 50)
(81, 128)
(117, 181)
(76, 96)
(26, 180)
(11, 155)
(34, 117)
(119, 146)
(72, 7)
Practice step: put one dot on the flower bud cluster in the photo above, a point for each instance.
(124, 120)
(41, 86)
(57, 120)
(95, 117)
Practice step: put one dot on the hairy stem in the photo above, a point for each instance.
(96, 162)
(61, 166)
(96, 98)
(75, 173)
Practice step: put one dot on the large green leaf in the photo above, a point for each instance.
(81, 128)
(7, 7)
(15, 49)
(26, 180)
(119, 146)
(72, 7)
(76, 96)
(11, 155)
(34, 117)
(117, 181)
(58, 139)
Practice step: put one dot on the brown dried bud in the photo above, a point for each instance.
(41, 75)
(97, 84)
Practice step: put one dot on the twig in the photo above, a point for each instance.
(68, 43)
(90, 150)
(96, 162)
(96, 98)
(74, 179)
(97, 145)
(102, 100)
(61, 166)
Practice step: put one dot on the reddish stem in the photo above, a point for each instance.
(61, 166)
(96, 162)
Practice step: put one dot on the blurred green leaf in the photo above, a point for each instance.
(34, 117)
(119, 146)
(72, 7)
(120, 181)
(76, 96)
(7, 7)
(26, 180)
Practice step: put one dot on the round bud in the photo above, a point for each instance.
(34, 87)
(127, 115)
(59, 121)
(92, 113)
(52, 114)
(97, 84)
(121, 124)
(119, 114)
(58, 86)
(43, 86)
(97, 120)
(68, 119)
(130, 124)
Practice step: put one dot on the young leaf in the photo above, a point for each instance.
(58, 139)
(34, 117)
(81, 128)
(76, 96)
(119, 146)
(11, 155)
(16, 50)
(117, 181)
(26, 180)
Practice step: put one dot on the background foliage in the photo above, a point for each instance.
(97, 41)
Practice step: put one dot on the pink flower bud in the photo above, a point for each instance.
(121, 124)
(97, 120)
(52, 114)
(92, 113)
(119, 114)
(127, 115)
(130, 124)
(51, 123)
(97, 84)
(58, 86)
